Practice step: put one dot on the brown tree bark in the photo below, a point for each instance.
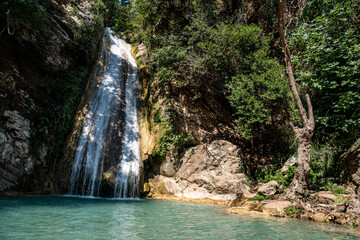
(303, 135)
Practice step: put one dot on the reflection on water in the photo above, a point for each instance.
(56, 217)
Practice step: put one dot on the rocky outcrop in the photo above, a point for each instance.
(15, 158)
(324, 197)
(268, 189)
(343, 214)
(207, 171)
(350, 166)
(32, 59)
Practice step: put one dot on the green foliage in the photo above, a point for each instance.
(195, 46)
(86, 41)
(290, 176)
(259, 198)
(67, 89)
(256, 90)
(282, 179)
(30, 13)
(329, 186)
(169, 140)
(326, 50)
(341, 200)
(322, 161)
(120, 21)
(291, 211)
(338, 190)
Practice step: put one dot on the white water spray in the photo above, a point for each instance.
(87, 169)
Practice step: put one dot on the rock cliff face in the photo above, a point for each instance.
(30, 60)
(207, 171)
(16, 160)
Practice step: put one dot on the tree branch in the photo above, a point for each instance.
(289, 70)
(310, 111)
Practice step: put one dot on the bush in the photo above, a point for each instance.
(267, 176)
(169, 140)
(291, 211)
(341, 200)
(259, 198)
(338, 190)
(22, 13)
(322, 161)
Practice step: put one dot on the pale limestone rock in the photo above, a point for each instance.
(353, 207)
(208, 171)
(319, 217)
(167, 168)
(275, 205)
(268, 189)
(324, 197)
(290, 162)
(141, 50)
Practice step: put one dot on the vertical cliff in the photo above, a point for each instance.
(47, 52)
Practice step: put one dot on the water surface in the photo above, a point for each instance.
(58, 217)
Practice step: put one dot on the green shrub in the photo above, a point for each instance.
(323, 161)
(338, 190)
(169, 140)
(267, 176)
(259, 198)
(26, 12)
(329, 186)
(341, 200)
(290, 211)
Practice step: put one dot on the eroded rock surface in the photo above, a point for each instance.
(15, 159)
(268, 189)
(350, 166)
(30, 61)
(324, 197)
(207, 171)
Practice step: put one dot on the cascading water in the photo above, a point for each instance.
(101, 126)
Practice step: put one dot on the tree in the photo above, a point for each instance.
(304, 133)
(326, 55)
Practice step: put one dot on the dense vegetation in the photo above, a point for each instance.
(231, 47)
(195, 43)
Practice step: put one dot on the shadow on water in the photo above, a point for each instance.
(61, 200)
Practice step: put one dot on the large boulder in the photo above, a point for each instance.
(268, 189)
(275, 205)
(209, 171)
(350, 165)
(324, 197)
(353, 207)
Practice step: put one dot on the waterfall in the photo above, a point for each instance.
(111, 115)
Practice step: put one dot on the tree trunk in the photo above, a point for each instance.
(303, 134)
(301, 179)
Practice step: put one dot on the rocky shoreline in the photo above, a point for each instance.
(275, 208)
